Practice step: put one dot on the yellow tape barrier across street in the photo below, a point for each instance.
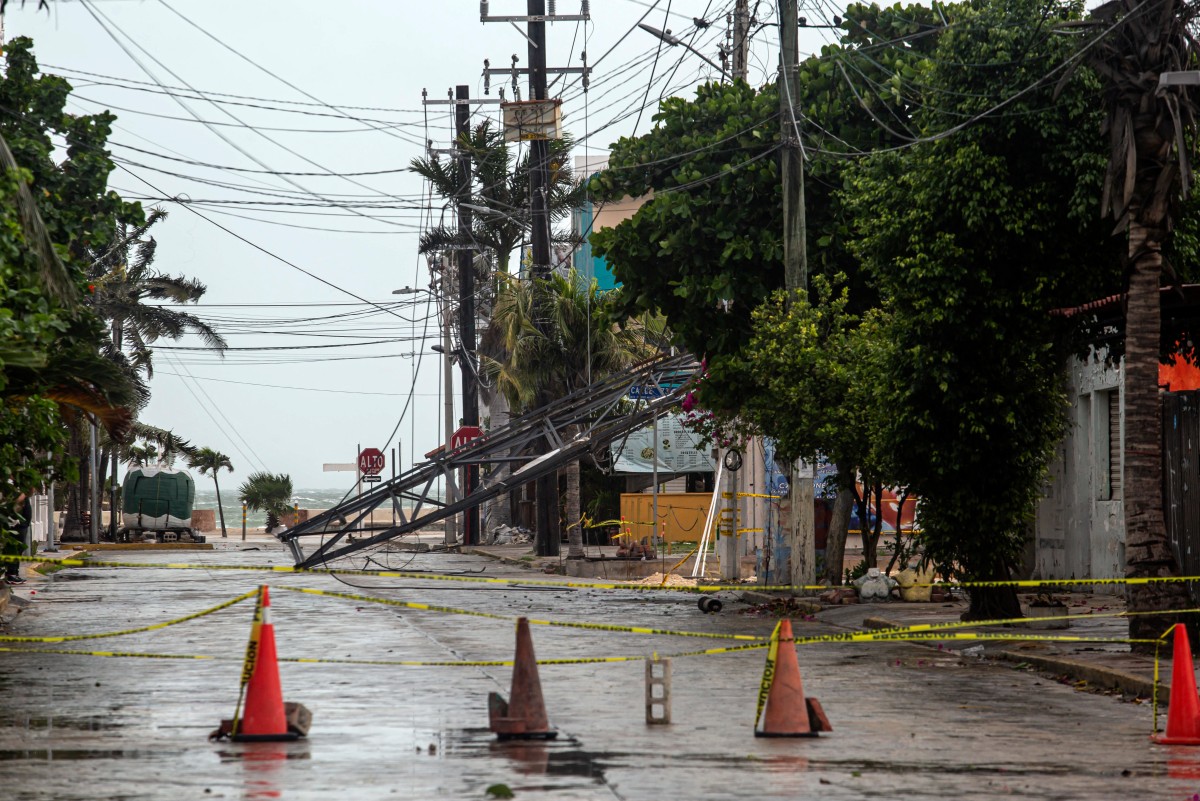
(139, 630)
(925, 631)
(1027, 583)
(828, 638)
(532, 621)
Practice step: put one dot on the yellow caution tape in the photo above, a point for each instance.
(764, 687)
(68, 562)
(1154, 686)
(123, 632)
(1010, 621)
(399, 574)
(841, 637)
(119, 654)
(532, 621)
(675, 566)
(251, 659)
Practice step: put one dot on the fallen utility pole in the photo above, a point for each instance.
(588, 419)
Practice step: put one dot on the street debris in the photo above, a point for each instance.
(781, 607)
(509, 535)
(669, 580)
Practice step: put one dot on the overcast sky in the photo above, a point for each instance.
(292, 410)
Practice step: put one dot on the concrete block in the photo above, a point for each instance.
(658, 692)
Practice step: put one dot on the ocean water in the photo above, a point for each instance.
(206, 498)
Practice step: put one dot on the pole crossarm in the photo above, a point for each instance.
(599, 413)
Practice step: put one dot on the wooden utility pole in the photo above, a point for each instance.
(741, 40)
(466, 301)
(799, 529)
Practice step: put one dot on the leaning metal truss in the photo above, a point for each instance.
(586, 420)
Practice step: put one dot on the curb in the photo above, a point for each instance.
(508, 560)
(1095, 675)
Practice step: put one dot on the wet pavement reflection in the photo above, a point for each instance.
(909, 722)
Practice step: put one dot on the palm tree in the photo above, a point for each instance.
(207, 460)
(502, 186)
(579, 345)
(270, 493)
(129, 295)
(142, 455)
(1151, 133)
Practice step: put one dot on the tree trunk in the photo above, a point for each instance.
(272, 521)
(574, 513)
(220, 510)
(839, 522)
(871, 542)
(73, 529)
(1148, 551)
(993, 603)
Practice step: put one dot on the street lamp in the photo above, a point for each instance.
(671, 41)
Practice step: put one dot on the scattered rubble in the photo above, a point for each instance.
(509, 535)
(670, 580)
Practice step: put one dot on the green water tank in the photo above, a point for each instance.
(157, 498)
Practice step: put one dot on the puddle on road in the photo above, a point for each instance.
(51, 722)
(70, 754)
(265, 752)
(561, 758)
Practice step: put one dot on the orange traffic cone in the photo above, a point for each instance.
(523, 716)
(264, 716)
(1183, 713)
(788, 713)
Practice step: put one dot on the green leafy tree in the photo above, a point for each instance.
(816, 365)
(54, 209)
(706, 250)
(501, 184)
(132, 299)
(579, 345)
(270, 493)
(973, 237)
(209, 461)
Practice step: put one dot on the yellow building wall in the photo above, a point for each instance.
(680, 515)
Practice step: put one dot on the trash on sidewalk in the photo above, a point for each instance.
(509, 535)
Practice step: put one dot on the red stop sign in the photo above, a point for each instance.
(370, 461)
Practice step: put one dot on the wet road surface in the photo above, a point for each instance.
(908, 721)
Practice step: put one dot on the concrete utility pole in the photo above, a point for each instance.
(546, 537)
(466, 304)
(443, 292)
(741, 39)
(800, 533)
